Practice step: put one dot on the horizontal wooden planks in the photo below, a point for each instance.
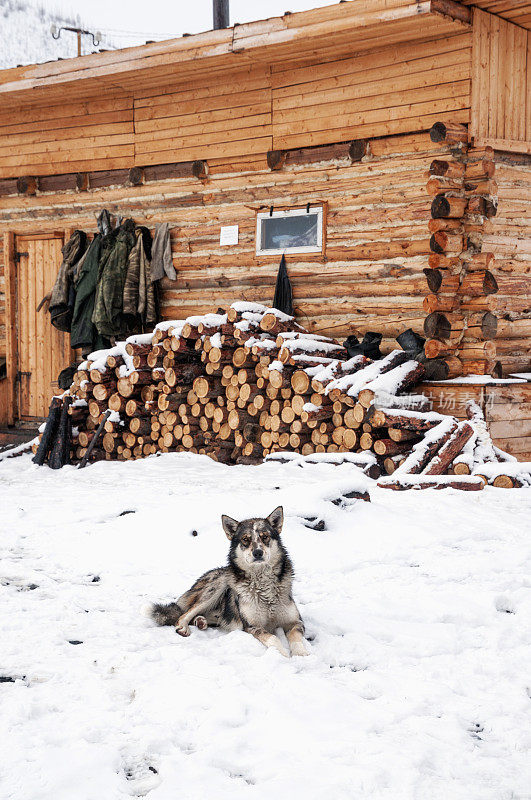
(396, 89)
(249, 111)
(205, 120)
(66, 138)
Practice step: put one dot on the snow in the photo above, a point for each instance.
(26, 36)
(416, 606)
(390, 382)
(140, 338)
(254, 308)
(11, 452)
(366, 458)
(310, 346)
(276, 365)
(353, 384)
(215, 340)
(525, 376)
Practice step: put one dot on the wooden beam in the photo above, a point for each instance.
(11, 329)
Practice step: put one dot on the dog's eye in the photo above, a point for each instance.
(246, 542)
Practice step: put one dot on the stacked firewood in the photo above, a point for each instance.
(459, 326)
(245, 384)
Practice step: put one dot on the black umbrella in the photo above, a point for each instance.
(283, 299)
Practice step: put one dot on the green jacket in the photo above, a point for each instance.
(108, 314)
(82, 331)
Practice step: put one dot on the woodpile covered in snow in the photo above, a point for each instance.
(251, 383)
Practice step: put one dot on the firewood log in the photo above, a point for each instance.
(402, 483)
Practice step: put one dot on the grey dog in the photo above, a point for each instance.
(252, 593)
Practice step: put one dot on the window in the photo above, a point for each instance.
(296, 230)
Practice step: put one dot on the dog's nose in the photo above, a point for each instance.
(258, 553)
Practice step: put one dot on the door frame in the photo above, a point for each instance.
(11, 300)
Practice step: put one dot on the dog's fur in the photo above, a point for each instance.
(252, 593)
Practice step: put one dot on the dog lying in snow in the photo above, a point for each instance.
(252, 593)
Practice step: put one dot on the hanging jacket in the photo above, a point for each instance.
(62, 300)
(161, 260)
(108, 305)
(139, 302)
(83, 333)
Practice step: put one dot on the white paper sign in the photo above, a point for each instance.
(228, 235)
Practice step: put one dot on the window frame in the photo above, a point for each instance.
(293, 211)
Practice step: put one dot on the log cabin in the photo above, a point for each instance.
(402, 127)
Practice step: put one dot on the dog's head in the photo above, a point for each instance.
(255, 542)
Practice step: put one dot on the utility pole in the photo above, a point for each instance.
(220, 10)
(96, 37)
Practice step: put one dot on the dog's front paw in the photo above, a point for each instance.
(278, 646)
(201, 623)
(182, 630)
(299, 649)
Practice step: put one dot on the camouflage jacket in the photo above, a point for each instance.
(108, 314)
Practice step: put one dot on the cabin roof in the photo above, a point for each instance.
(330, 32)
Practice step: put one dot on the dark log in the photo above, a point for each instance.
(8, 186)
(447, 169)
(58, 183)
(82, 181)
(357, 149)
(437, 326)
(108, 177)
(276, 159)
(443, 206)
(399, 484)
(200, 170)
(27, 185)
(161, 172)
(60, 454)
(449, 132)
(136, 176)
(50, 430)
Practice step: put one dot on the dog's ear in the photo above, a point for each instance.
(229, 525)
(276, 519)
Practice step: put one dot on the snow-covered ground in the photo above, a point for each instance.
(417, 607)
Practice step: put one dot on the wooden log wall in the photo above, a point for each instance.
(501, 90)
(377, 240)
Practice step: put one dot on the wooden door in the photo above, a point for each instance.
(43, 351)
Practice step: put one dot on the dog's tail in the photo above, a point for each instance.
(165, 614)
